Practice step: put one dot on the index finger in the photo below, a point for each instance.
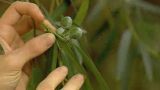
(18, 9)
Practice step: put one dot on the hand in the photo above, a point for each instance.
(14, 68)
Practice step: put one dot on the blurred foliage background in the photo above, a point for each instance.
(122, 38)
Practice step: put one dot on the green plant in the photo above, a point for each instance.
(67, 51)
(123, 38)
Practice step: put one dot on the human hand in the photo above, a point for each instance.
(16, 21)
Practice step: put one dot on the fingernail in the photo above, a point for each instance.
(79, 77)
(62, 69)
(50, 39)
(49, 25)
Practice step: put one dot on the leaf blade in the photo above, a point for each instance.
(82, 12)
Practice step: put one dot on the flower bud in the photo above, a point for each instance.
(66, 22)
(60, 30)
(76, 32)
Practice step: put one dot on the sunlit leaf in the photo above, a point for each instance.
(82, 12)
(123, 53)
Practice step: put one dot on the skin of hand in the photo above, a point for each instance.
(16, 21)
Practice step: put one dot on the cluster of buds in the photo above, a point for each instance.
(68, 30)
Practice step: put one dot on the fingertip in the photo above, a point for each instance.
(79, 77)
(49, 25)
(63, 68)
(41, 16)
(53, 79)
(49, 39)
(74, 83)
(51, 36)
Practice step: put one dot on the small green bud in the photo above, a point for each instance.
(60, 30)
(76, 32)
(66, 22)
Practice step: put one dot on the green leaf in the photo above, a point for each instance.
(147, 62)
(92, 68)
(66, 61)
(145, 5)
(82, 12)
(76, 67)
(123, 53)
(35, 79)
(127, 73)
(38, 73)
(108, 47)
(148, 34)
(59, 11)
(51, 55)
(54, 57)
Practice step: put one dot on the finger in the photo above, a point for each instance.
(17, 42)
(48, 24)
(30, 50)
(53, 79)
(10, 36)
(25, 24)
(74, 83)
(7, 33)
(18, 9)
(22, 85)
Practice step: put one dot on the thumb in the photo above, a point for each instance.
(31, 49)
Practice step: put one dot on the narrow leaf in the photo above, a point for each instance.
(54, 57)
(147, 62)
(76, 65)
(82, 12)
(92, 68)
(123, 53)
